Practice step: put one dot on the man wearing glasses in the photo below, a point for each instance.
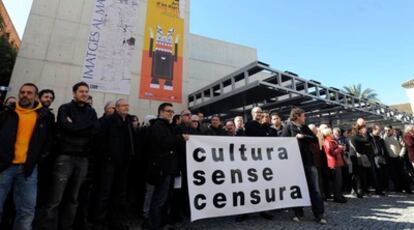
(117, 149)
(254, 128)
(162, 162)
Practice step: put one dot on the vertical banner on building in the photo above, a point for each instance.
(111, 44)
(237, 175)
(162, 58)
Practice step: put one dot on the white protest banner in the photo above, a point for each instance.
(110, 47)
(237, 175)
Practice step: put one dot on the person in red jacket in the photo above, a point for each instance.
(334, 154)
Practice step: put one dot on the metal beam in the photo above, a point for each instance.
(289, 88)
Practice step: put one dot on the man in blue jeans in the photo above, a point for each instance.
(296, 128)
(75, 127)
(25, 133)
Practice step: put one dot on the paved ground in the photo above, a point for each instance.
(395, 211)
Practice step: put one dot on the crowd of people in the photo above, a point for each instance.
(74, 170)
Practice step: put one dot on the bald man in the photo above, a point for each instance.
(254, 128)
(117, 147)
(361, 122)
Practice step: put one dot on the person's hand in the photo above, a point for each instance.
(299, 136)
(186, 137)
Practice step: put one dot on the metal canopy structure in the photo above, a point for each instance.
(257, 84)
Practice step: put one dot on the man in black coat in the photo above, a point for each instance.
(254, 128)
(85, 191)
(216, 129)
(76, 125)
(116, 138)
(183, 128)
(25, 134)
(296, 128)
(162, 162)
(178, 200)
(46, 98)
(276, 129)
(230, 128)
(378, 161)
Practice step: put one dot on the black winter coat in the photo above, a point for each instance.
(76, 126)
(362, 144)
(116, 138)
(378, 146)
(217, 131)
(240, 132)
(255, 129)
(273, 132)
(39, 145)
(305, 144)
(181, 148)
(162, 151)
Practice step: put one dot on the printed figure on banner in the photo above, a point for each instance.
(164, 55)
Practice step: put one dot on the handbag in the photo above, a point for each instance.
(363, 159)
(379, 161)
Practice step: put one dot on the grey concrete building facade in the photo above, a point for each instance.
(55, 40)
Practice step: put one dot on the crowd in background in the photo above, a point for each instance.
(73, 170)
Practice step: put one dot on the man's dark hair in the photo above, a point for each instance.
(230, 120)
(162, 107)
(375, 126)
(274, 114)
(295, 113)
(45, 91)
(176, 118)
(79, 84)
(31, 85)
(215, 115)
(134, 118)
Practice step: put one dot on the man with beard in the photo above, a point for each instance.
(231, 128)
(25, 131)
(46, 98)
(306, 139)
(76, 125)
